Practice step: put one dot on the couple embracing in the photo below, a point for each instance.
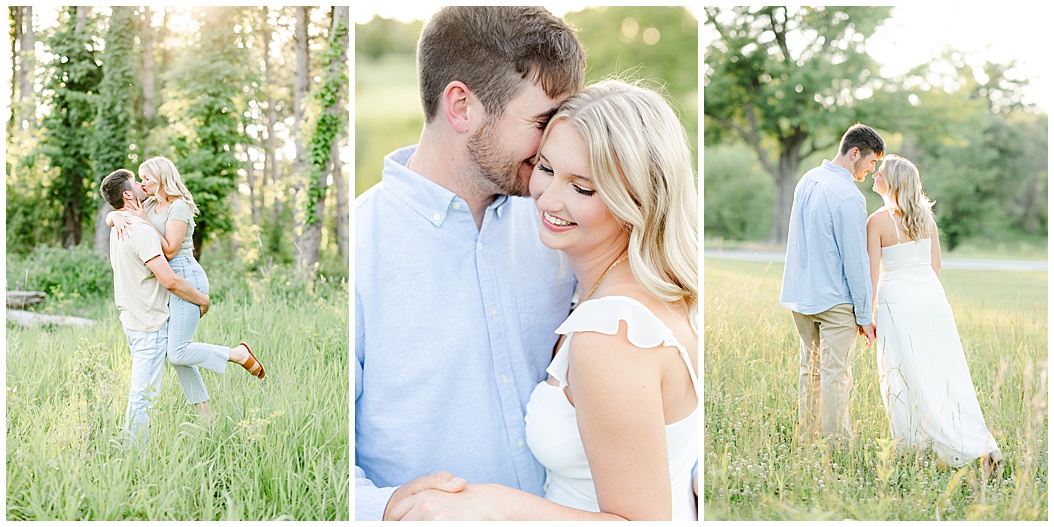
(479, 393)
(837, 257)
(161, 290)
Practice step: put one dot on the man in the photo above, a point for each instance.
(456, 299)
(142, 282)
(827, 281)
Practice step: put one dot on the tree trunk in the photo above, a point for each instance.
(300, 176)
(271, 146)
(26, 104)
(16, 71)
(162, 34)
(786, 177)
(71, 222)
(146, 37)
(102, 230)
(250, 179)
(342, 191)
(82, 17)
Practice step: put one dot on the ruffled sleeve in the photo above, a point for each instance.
(603, 315)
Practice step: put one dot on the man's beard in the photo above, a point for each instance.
(493, 165)
(859, 170)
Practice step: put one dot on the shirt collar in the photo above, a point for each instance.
(428, 198)
(837, 169)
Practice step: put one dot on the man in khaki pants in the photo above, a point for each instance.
(827, 281)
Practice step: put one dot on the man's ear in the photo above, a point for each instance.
(459, 106)
(854, 154)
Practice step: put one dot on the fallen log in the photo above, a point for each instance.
(24, 299)
(28, 319)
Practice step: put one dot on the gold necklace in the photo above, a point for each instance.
(605, 273)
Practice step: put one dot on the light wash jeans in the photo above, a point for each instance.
(183, 317)
(148, 361)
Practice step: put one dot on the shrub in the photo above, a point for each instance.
(76, 272)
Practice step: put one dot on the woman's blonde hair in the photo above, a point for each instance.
(904, 195)
(642, 167)
(169, 182)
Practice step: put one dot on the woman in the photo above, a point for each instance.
(170, 209)
(615, 424)
(926, 386)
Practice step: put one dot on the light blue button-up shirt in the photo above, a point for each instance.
(827, 260)
(454, 327)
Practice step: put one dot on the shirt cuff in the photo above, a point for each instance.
(371, 501)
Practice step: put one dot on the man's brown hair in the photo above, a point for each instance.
(114, 186)
(863, 137)
(493, 50)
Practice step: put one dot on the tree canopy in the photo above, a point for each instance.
(787, 82)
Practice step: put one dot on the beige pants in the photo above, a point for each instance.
(828, 341)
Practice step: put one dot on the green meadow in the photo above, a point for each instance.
(278, 451)
(755, 469)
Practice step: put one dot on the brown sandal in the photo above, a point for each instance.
(252, 364)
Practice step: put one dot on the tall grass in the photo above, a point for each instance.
(755, 469)
(279, 449)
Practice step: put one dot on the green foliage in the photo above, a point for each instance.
(205, 111)
(73, 81)
(330, 122)
(660, 43)
(792, 94)
(383, 36)
(29, 183)
(755, 469)
(790, 81)
(114, 125)
(738, 198)
(77, 272)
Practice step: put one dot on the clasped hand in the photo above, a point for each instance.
(868, 332)
(441, 496)
(122, 224)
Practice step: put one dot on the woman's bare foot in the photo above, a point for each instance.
(205, 412)
(992, 464)
(244, 356)
(239, 354)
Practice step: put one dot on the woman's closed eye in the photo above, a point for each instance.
(583, 191)
(544, 168)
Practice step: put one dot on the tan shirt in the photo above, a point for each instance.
(139, 295)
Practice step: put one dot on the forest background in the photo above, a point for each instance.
(782, 85)
(251, 104)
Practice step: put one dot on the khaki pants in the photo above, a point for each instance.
(828, 341)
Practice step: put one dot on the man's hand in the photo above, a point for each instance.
(477, 502)
(204, 308)
(443, 481)
(868, 332)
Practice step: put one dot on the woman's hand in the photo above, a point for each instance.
(204, 308)
(121, 224)
(137, 208)
(476, 502)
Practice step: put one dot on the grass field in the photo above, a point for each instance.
(387, 113)
(278, 451)
(754, 469)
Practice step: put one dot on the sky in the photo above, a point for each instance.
(915, 34)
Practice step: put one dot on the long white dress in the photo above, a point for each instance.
(926, 386)
(552, 428)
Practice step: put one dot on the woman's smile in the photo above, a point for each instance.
(557, 224)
